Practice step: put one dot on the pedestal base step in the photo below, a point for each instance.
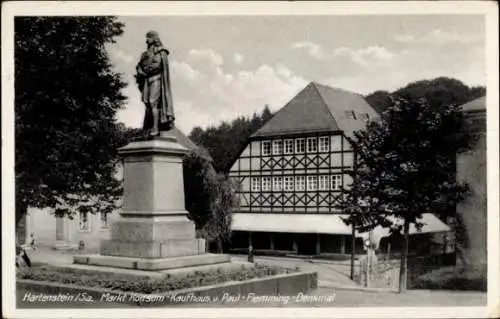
(172, 248)
(149, 263)
(64, 246)
(135, 274)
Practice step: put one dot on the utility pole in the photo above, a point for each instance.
(353, 245)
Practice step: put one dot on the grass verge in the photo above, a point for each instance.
(453, 278)
(151, 285)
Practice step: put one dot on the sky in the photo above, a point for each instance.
(227, 66)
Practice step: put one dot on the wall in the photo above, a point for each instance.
(471, 167)
(285, 168)
(43, 223)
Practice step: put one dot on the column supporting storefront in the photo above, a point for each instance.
(318, 244)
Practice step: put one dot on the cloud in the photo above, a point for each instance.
(237, 58)
(315, 50)
(205, 94)
(362, 56)
(405, 38)
(121, 56)
(439, 36)
(365, 56)
(410, 65)
(205, 60)
(214, 97)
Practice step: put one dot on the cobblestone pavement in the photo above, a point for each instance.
(330, 274)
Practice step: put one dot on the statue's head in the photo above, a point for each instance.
(153, 39)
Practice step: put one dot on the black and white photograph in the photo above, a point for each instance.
(250, 159)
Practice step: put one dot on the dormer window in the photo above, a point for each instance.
(350, 115)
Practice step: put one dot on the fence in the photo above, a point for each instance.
(383, 270)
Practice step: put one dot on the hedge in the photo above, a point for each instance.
(150, 285)
(453, 278)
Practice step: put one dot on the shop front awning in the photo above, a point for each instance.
(319, 224)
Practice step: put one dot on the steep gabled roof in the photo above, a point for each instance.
(319, 108)
(350, 110)
(478, 104)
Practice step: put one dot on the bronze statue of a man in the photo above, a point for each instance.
(153, 79)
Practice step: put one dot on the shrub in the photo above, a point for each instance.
(146, 285)
(453, 278)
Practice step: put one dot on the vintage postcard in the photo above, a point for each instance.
(245, 159)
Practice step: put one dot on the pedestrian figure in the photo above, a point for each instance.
(21, 257)
(81, 246)
(33, 242)
(250, 254)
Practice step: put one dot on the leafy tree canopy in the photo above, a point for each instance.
(405, 161)
(210, 197)
(66, 99)
(441, 90)
(406, 166)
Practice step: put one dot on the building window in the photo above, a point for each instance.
(266, 183)
(300, 145)
(312, 183)
(312, 145)
(84, 222)
(255, 184)
(288, 146)
(266, 148)
(277, 147)
(350, 115)
(336, 182)
(323, 182)
(288, 183)
(277, 183)
(104, 221)
(323, 143)
(300, 183)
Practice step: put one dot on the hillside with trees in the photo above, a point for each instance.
(438, 91)
(225, 141)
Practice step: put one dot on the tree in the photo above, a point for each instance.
(403, 166)
(441, 90)
(379, 100)
(266, 114)
(210, 197)
(199, 181)
(66, 99)
(223, 204)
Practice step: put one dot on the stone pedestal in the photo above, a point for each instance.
(153, 232)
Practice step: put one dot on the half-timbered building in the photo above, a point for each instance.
(292, 172)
